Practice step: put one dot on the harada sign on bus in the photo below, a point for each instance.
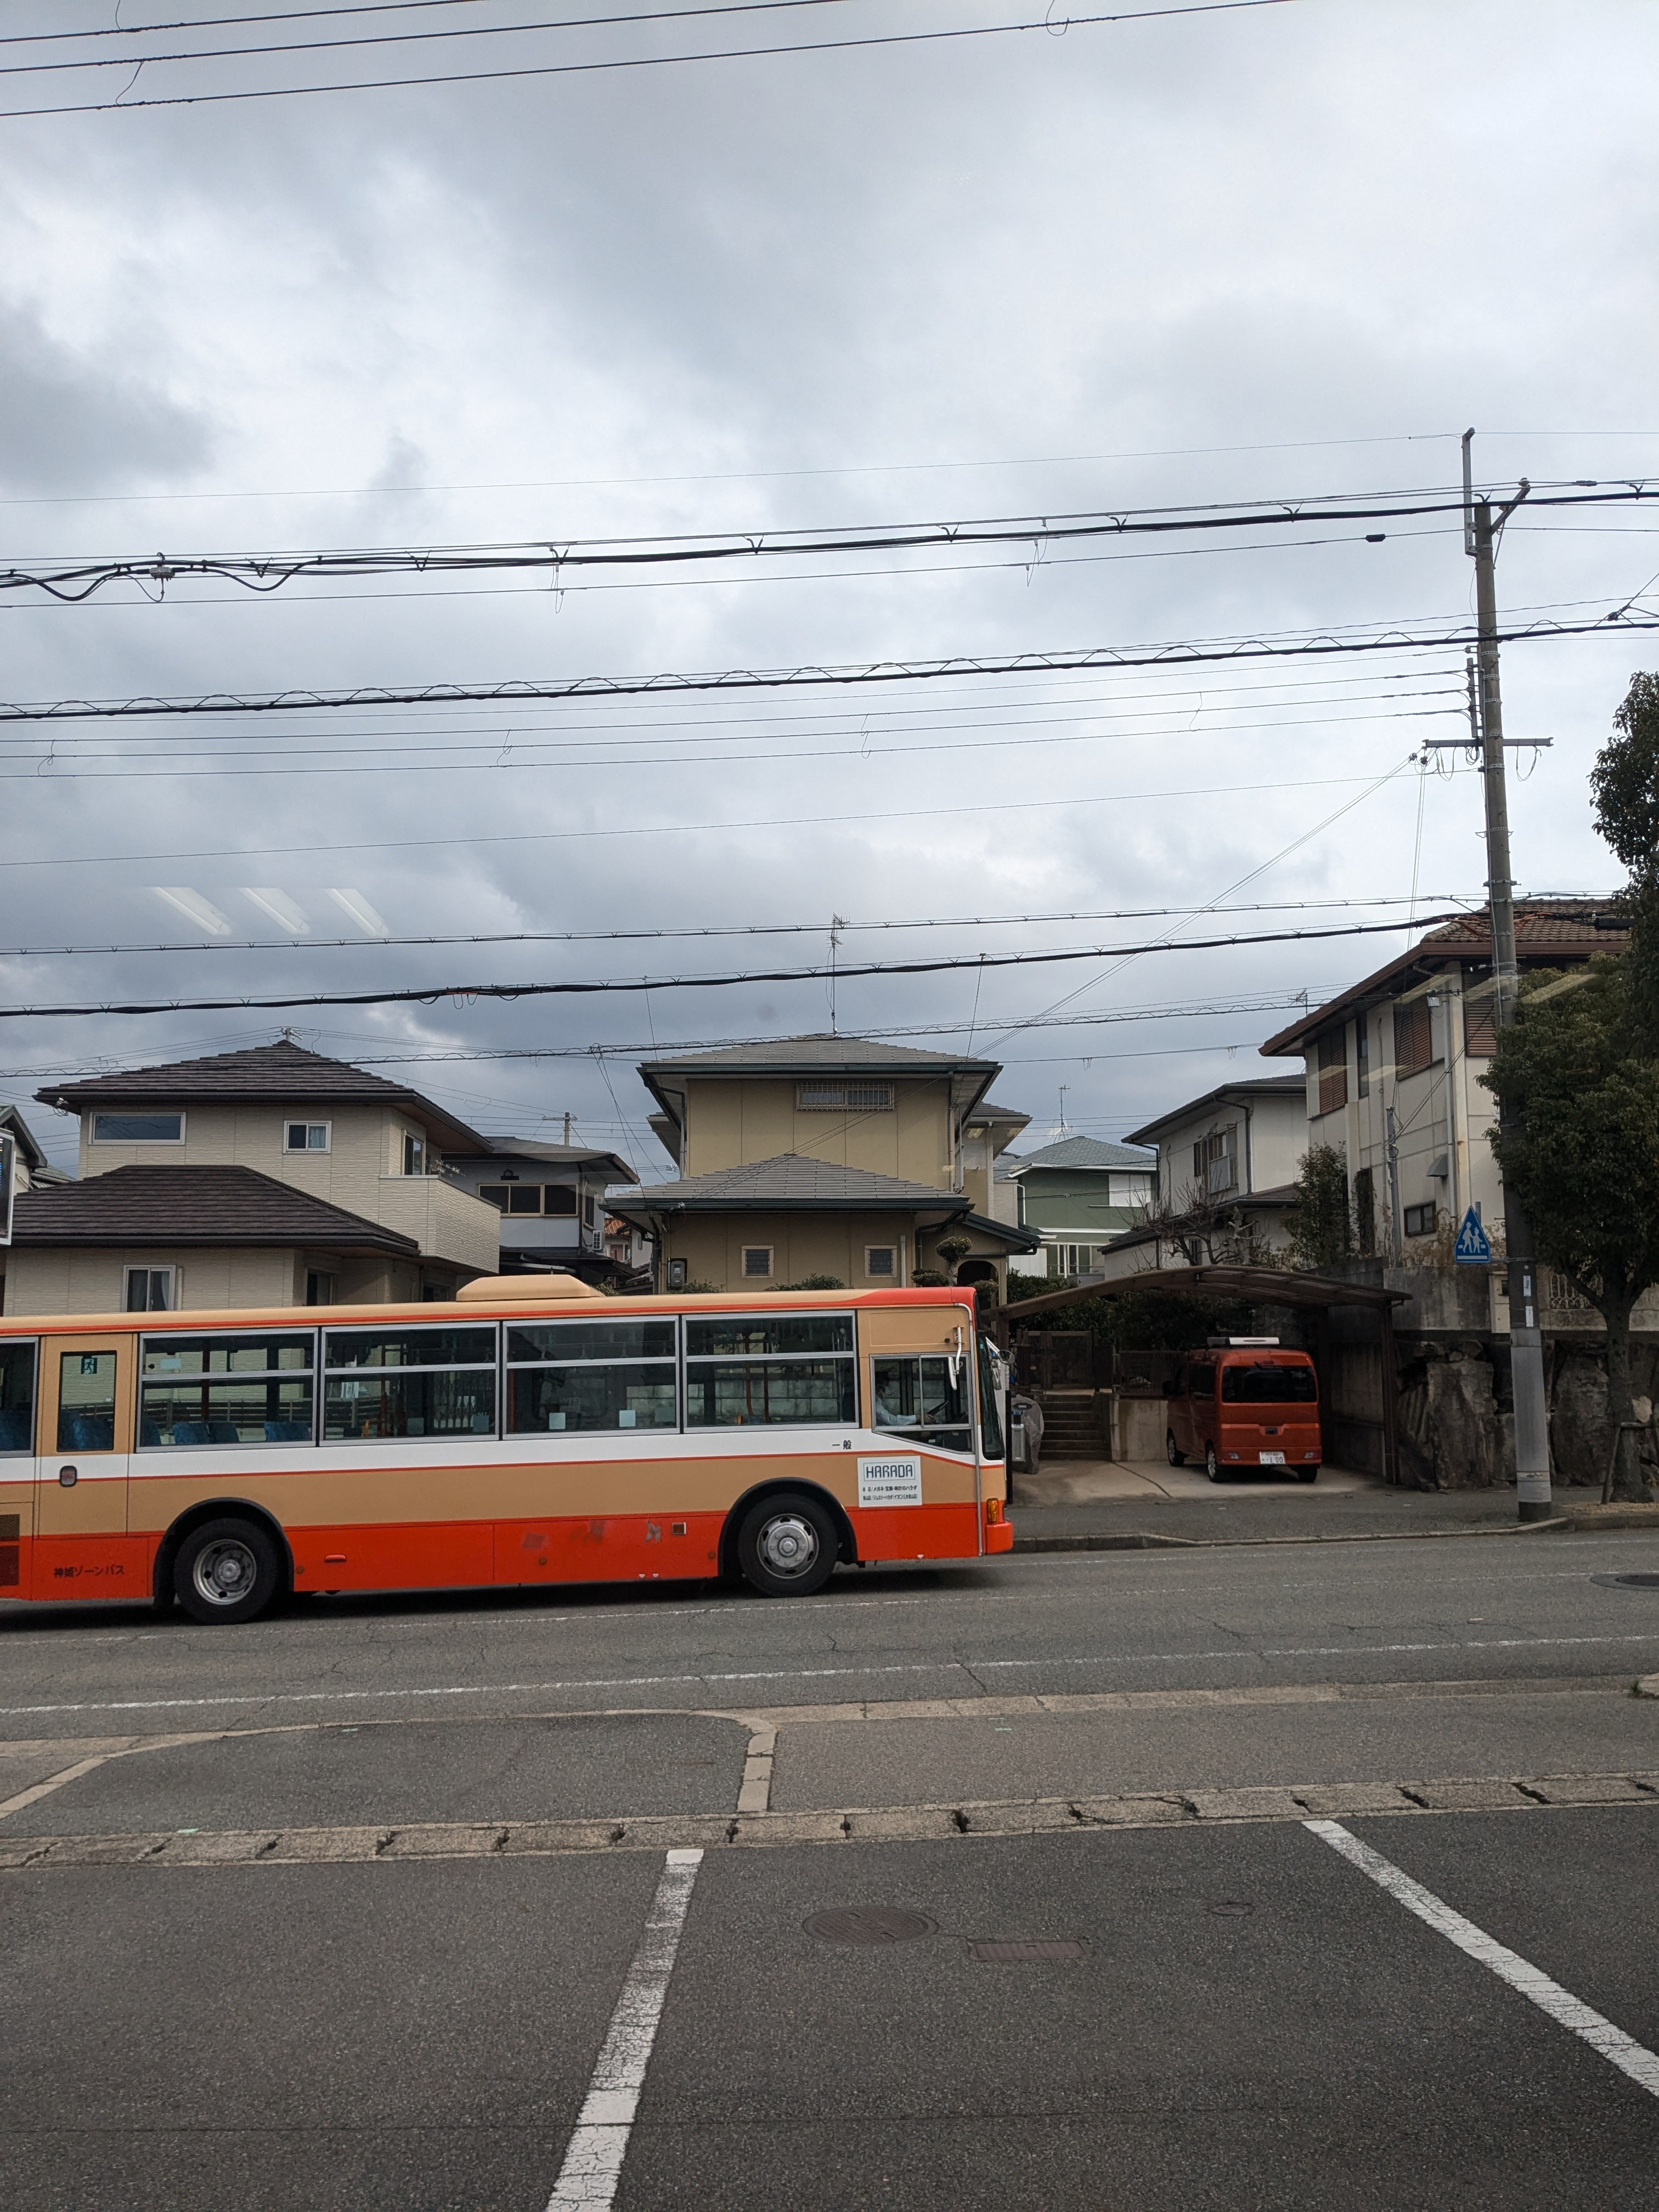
(896, 1481)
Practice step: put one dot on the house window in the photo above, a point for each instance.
(1413, 1047)
(558, 1198)
(524, 1198)
(308, 1137)
(1362, 1038)
(1215, 1162)
(677, 1275)
(414, 1154)
(1420, 1220)
(319, 1287)
(1365, 1209)
(1332, 1070)
(881, 1259)
(757, 1260)
(137, 1128)
(844, 1097)
(587, 1209)
(152, 1290)
(1480, 1025)
(1073, 1259)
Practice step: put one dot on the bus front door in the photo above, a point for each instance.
(80, 1548)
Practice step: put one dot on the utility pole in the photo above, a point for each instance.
(1532, 1436)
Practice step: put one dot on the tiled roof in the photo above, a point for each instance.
(278, 1074)
(791, 1180)
(1547, 931)
(819, 1055)
(1085, 1153)
(181, 1205)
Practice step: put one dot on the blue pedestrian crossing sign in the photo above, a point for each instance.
(1473, 1243)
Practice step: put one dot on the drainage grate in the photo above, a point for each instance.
(1023, 1948)
(1627, 1582)
(868, 1923)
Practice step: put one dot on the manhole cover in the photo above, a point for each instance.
(1627, 1582)
(1023, 1948)
(868, 1923)
(1231, 1908)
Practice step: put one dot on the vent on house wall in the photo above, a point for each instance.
(844, 1097)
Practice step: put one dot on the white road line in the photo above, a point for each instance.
(594, 2157)
(817, 1674)
(24, 1798)
(1618, 2048)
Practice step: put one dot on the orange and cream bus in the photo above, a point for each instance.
(531, 1431)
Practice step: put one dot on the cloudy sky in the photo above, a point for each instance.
(1270, 254)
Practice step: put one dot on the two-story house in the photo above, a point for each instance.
(273, 1176)
(553, 1204)
(1393, 1069)
(1078, 1195)
(824, 1156)
(1226, 1178)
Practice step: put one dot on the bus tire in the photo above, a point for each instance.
(788, 1545)
(227, 1572)
(1172, 1452)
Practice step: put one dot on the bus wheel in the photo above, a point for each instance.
(226, 1570)
(1211, 1468)
(786, 1545)
(1172, 1452)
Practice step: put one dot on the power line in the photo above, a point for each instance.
(469, 992)
(1406, 638)
(1047, 24)
(657, 829)
(223, 23)
(268, 572)
(724, 930)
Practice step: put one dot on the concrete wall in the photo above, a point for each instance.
(805, 1244)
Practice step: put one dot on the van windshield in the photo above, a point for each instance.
(1264, 1382)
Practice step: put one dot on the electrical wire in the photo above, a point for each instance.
(470, 992)
(1458, 637)
(1052, 26)
(230, 22)
(719, 930)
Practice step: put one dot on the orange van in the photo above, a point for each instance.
(1244, 1402)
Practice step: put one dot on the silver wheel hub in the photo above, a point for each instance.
(789, 1545)
(225, 1571)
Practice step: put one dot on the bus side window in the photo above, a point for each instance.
(17, 1397)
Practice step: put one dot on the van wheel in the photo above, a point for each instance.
(1307, 1474)
(1176, 1457)
(226, 1570)
(1210, 1466)
(788, 1546)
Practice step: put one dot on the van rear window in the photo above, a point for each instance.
(1264, 1382)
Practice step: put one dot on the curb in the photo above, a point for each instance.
(1137, 1541)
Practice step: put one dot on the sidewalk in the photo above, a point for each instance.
(1111, 1504)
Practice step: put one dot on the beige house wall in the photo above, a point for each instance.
(732, 1120)
(361, 1172)
(211, 1279)
(711, 1245)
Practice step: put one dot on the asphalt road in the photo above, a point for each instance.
(372, 1904)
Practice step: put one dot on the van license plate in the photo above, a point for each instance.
(1273, 1459)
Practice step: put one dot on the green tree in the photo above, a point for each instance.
(1625, 785)
(1580, 1145)
(1320, 1222)
(953, 1250)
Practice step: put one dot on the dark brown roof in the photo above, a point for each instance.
(1548, 934)
(277, 1074)
(180, 1206)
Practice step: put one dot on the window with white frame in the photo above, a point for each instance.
(414, 1154)
(152, 1290)
(881, 1262)
(305, 1136)
(137, 1128)
(757, 1260)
